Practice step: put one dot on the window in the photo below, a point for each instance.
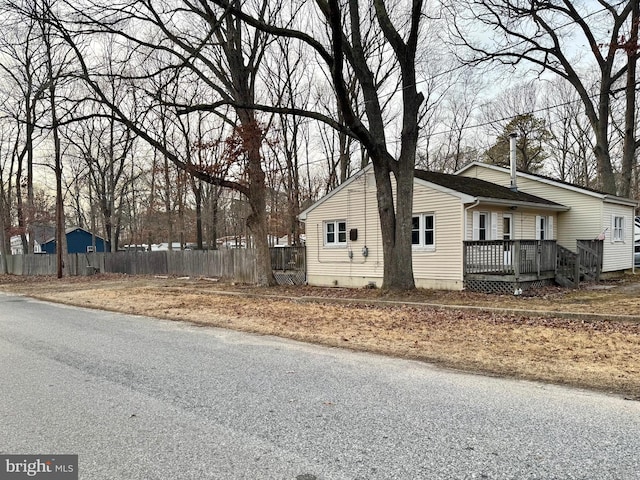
(483, 222)
(485, 226)
(541, 228)
(335, 232)
(544, 227)
(617, 227)
(423, 231)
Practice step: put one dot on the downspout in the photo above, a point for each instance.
(466, 210)
(464, 235)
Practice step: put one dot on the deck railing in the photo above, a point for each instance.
(288, 258)
(509, 257)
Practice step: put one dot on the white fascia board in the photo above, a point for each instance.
(302, 216)
(472, 164)
(532, 205)
(621, 201)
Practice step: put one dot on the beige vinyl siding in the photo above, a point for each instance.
(617, 255)
(524, 222)
(444, 264)
(488, 174)
(331, 265)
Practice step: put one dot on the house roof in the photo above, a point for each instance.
(71, 230)
(468, 188)
(558, 183)
(485, 191)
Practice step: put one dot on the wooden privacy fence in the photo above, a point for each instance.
(233, 264)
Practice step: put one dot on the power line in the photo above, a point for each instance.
(499, 51)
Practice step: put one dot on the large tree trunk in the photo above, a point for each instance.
(600, 125)
(257, 219)
(629, 146)
(395, 248)
(197, 192)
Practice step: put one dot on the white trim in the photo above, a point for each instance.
(494, 225)
(475, 228)
(620, 237)
(490, 229)
(422, 245)
(336, 233)
(508, 216)
(548, 227)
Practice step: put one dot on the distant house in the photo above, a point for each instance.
(79, 240)
(40, 234)
(164, 247)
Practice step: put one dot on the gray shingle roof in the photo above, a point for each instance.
(479, 188)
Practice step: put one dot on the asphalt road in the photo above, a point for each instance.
(140, 398)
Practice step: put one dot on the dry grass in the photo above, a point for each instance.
(597, 353)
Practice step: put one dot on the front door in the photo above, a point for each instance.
(507, 234)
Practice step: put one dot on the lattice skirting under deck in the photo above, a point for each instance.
(504, 288)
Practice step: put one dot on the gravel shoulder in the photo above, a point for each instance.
(588, 337)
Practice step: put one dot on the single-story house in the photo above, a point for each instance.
(468, 232)
(40, 234)
(592, 214)
(79, 240)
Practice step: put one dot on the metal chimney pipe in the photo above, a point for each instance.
(512, 160)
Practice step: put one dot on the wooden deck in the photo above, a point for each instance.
(508, 265)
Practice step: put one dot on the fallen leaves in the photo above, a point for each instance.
(598, 354)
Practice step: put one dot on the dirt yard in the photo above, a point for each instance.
(588, 337)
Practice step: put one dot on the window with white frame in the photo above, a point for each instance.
(423, 231)
(617, 228)
(544, 227)
(485, 226)
(335, 233)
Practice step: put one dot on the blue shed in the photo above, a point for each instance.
(78, 241)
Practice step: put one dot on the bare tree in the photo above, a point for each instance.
(24, 74)
(347, 24)
(452, 141)
(544, 35)
(56, 58)
(106, 148)
(7, 133)
(571, 143)
(194, 39)
(288, 78)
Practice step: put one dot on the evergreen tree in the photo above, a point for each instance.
(532, 135)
